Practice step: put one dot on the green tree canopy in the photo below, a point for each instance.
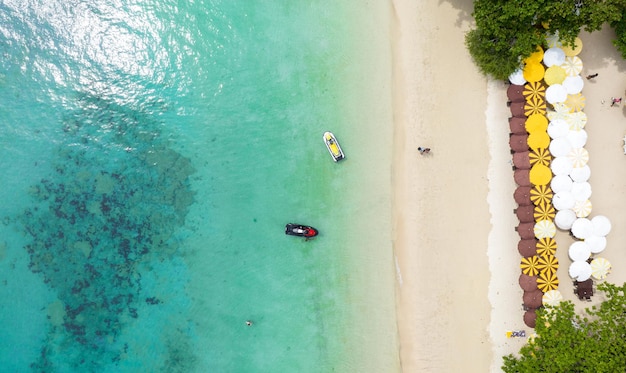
(594, 341)
(507, 31)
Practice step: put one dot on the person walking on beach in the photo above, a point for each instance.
(423, 150)
(592, 76)
(615, 101)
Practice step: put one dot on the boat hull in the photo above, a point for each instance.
(300, 230)
(333, 146)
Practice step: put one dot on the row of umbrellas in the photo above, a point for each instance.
(555, 82)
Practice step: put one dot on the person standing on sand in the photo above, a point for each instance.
(423, 150)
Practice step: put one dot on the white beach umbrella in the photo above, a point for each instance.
(580, 174)
(579, 251)
(556, 93)
(517, 77)
(581, 191)
(560, 147)
(553, 40)
(573, 84)
(572, 65)
(600, 268)
(577, 120)
(597, 244)
(544, 229)
(578, 156)
(577, 138)
(552, 298)
(601, 225)
(564, 219)
(558, 128)
(582, 228)
(561, 166)
(561, 183)
(553, 56)
(582, 208)
(563, 200)
(580, 271)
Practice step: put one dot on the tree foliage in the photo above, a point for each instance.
(507, 31)
(594, 341)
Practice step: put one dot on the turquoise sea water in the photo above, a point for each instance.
(151, 153)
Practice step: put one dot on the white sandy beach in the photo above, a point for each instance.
(454, 237)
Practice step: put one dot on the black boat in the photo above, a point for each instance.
(300, 230)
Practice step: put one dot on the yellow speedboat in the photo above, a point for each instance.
(333, 146)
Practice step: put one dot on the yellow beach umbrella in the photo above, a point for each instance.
(541, 194)
(552, 298)
(572, 65)
(600, 268)
(540, 175)
(534, 90)
(536, 122)
(533, 71)
(582, 208)
(538, 140)
(544, 228)
(540, 156)
(547, 281)
(546, 246)
(535, 57)
(534, 106)
(575, 102)
(575, 50)
(554, 75)
(547, 263)
(577, 120)
(578, 156)
(544, 211)
(529, 265)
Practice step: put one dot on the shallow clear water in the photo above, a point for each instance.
(151, 154)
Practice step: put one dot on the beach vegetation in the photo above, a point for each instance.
(508, 31)
(566, 341)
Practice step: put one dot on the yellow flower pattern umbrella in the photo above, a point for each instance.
(575, 50)
(544, 228)
(547, 281)
(538, 140)
(577, 120)
(533, 71)
(600, 268)
(554, 75)
(575, 102)
(534, 90)
(534, 106)
(552, 298)
(578, 156)
(582, 208)
(547, 263)
(553, 40)
(541, 194)
(536, 122)
(540, 156)
(572, 65)
(540, 174)
(546, 246)
(544, 211)
(529, 265)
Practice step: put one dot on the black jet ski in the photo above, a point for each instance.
(300, 230)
